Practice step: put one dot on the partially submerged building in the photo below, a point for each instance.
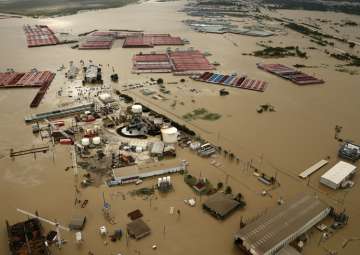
(132, 174)
(221, 205)
(281, 225)
(26, 238)
(92, 74)
(138, 229)
(350, 151)
(338, 174)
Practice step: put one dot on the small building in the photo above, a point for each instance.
(77, 222)
(132, 174)
(279, 226)
(138, 229)
(92, 74)
(157, 149)
(350, 151)
(221, 205)
(338, 174)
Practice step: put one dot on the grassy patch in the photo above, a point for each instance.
(201, 113)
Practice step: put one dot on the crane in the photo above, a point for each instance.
(56, 224)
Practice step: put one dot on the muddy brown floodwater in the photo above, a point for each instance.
(298, 134)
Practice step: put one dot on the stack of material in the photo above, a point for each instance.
(233, 81)
(151, 40)
(29, 79)
(184, 61)
(179, 62)
(291, 74)
(152, 63)
(98, 40)
(39, 36)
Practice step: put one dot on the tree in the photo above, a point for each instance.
(228, 190)
(220, 185)
(160, 81)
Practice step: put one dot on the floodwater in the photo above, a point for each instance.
(283, 143)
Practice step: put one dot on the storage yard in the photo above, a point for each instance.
(241, 82)
(178, 62)
(151, 40)
(291, 74)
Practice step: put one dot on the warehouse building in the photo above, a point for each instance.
(338, 175)
(281, 225)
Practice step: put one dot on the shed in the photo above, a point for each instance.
(77, 222)
(157, 148)
(138, 229)
(221, 205)
(339, 173)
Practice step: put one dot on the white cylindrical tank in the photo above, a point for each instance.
(104, 96)
(164, 179)
(96, 140)
(85, 141)
(136, 108)
(168, 179)
(169, 135)
(138, 149)
(159, 181)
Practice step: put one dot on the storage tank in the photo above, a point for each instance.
(164, 179)
(169, 135)
(136, 108)
(159, 181)
(96, 140)
(168, 179)
(104, 96)
(85, 141)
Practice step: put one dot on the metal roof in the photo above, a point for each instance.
(280, 223)
(339, 172)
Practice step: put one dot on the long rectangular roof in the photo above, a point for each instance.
(279, 223)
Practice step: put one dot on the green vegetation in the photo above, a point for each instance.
(345, 6)
(228, 190)
(37, 8)
(279, 52)
(317, 37)
(352, 59)
(201, 113)
(142, 192)
(348, 71)
(192, 181)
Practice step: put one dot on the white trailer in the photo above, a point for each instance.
(339, 173)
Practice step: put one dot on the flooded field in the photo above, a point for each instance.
(283, 143)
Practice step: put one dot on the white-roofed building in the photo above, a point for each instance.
(339, 173)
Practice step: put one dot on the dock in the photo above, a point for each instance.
(313, 168)
(34, 150)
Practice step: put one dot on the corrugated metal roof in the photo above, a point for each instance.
(339, 172)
